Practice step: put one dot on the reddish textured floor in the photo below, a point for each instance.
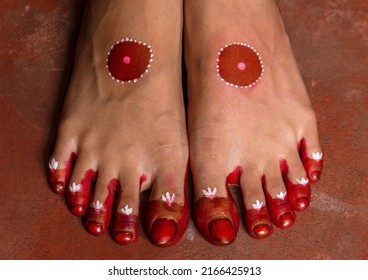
(330, 39)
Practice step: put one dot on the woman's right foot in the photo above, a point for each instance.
(122, 129)
(250, 124)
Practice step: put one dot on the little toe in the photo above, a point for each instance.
(312, 156)
(167, 212)
(78, 192)
(257, 218)
(280, 209)
(125, 221)
(100, 207)
(297, 183)
(60, 167)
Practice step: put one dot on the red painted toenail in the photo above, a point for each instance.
(286, 220)
(95, 228)
(315, 176)
(163, 231)
(59, 188)
(302, 203)
(262, 231)
(222, 231)
(78, 210)
(124, 237)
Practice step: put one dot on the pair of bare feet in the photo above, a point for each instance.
(116, 140)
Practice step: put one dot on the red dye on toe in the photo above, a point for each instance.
(222, 231)
(262, 231)
(163, 231)
(98, 220)
(158, 212)
(312, 167)
(128, 60)
(234, 177)
(59, 178)
(299, 195)
(281, 211)
(179, 214)
(240, 65)
(95, 228)
(207, 211)
(125, 228)
(78, 201)
(258, 223)
(287, 220)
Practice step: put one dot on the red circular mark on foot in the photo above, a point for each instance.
(240, 65)
(128, 60)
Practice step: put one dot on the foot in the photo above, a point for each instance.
(122, 129)
(251, 123)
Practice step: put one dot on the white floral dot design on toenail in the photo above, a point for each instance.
(168, 199)
(126, 210)
(74, 187)
(97, 205)
(302, 181)
(317, 156)
(209, 193)
(281, 195)
(53, 164)
(128, 60)
(239, 65)
(258, 205)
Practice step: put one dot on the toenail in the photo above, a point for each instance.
(163, 231)
(262, 231)
(59, 188)
(222, 231)
(124, 237)
(95, 228)
(287, 220)
(315, 176)
(78, 210)
(302, 203)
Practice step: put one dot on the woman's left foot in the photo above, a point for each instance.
(250, 120)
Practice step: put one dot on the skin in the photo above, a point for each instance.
(268, 131)
(116, 140)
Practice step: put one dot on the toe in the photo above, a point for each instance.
(257, 218)
(279, 206)
(167, 212)
(215, 213)
(297, 183)
(78, 192)
(60, 166)
(100, 207)
(125, 221)
(312, 156)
